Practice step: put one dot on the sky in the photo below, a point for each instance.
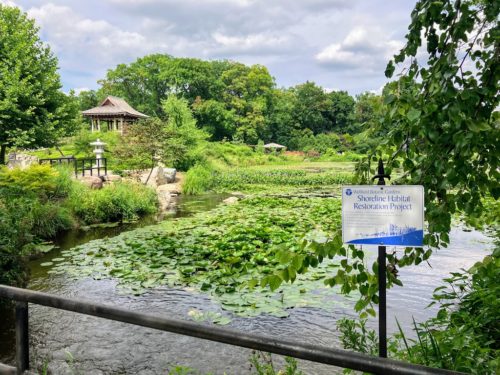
(339, 44)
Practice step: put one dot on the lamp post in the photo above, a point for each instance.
(98, 148)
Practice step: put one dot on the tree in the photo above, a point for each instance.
(173, 141)
(311, 107)
(214, 118)
(149, 80)
(248, 94)
(87, 99)
(444, 119)
(33, 112)
(341, 112)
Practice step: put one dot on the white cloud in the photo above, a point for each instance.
(253, 43)
(362, 49)
(68, 33)
(336, 43)
(9, 3)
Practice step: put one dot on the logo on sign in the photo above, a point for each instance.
(348, 192)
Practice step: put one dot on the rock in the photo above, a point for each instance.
(93, 182)
(148, 177)
(237, 194)
(169, 174)
(230, 200)
(172, 189)
(112, 178)
(164, 198)
(21, 160)
(159, 176)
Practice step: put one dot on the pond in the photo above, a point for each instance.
(74, 343)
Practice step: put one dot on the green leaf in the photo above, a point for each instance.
(274, 282)
(389, 70)
(413, 114)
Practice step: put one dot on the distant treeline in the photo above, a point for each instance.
(234, 101)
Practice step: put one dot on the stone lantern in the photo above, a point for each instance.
(98, 148)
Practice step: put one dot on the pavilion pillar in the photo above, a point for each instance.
(115, 124)
(121, 125)
(98, 124)
(91, 124)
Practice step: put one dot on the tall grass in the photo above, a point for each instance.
(116, 202)
(199, 179)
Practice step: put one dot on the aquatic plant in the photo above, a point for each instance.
(223, 253)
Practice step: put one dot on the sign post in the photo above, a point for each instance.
(382, 269)
(383, 215)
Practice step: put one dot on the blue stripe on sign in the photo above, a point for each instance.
(415, 238)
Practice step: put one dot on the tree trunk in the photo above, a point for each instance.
(3, 150)
(58, 149)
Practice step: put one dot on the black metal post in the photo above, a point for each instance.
(22, 337)
(105, 167)
(382, 307)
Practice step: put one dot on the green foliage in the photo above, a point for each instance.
(175, 141)
(240, 179)
(465, 334)
(116, 202)
(356, 336)
(36, 181)
(229, 100)
(33, 112)
(223, 252)
(183, 137)
(29, 211)
(443, 118)
(262, 364)
(199, 179)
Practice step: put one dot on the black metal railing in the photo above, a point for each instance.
(82, 167)
(58, 161)
(315, 353)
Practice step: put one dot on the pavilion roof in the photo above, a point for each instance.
(113, 106)
(274, 145)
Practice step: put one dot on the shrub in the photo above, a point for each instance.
(465, 334)
(116, 202)
(199, 179)
(37, 181)
(49, 218)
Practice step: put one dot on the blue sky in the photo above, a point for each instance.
(339, 44)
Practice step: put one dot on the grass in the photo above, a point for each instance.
(117, 202)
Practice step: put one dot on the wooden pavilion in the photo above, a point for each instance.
(273, 147)
(115, 112)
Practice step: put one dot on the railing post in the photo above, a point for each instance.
(22, 337)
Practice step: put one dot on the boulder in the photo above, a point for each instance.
(112, 178)
(93, 182)
(172, 189)
(237, 194)
(230, 200)
(164, 198)
(16, 160)
(169, 175)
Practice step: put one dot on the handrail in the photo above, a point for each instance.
(80, 164)
(315, 353)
